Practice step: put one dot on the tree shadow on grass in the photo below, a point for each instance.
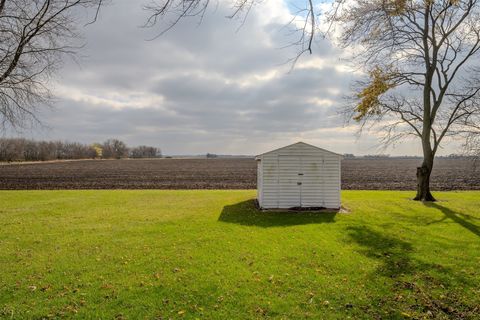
(392, 252)
(395, 254)
(410, 274)
(246, 213)
(462, 219)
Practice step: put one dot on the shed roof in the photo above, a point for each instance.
(299, 143)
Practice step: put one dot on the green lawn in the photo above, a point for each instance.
(211, 255)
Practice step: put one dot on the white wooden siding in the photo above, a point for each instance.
(299, 175)
(259, 182)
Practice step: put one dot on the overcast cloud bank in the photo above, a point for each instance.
(204, 88)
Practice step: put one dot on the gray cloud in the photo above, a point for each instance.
(199, 88)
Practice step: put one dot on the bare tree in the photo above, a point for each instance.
(114, 148)
(34, 37)
(424, 73)
(304, 21)
(145, 152)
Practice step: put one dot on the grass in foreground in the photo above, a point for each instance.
(211, 255)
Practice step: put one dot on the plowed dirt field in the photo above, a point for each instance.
(373, 174)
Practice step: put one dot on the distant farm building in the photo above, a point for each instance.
(298, 176)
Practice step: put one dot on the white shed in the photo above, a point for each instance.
(298, 175)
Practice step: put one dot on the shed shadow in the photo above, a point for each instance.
(246, 213)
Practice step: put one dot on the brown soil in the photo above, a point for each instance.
(387, 174)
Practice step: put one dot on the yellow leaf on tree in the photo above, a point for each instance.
(369, 104)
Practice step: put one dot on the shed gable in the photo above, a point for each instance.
(299, 147)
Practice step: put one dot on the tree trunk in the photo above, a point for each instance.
(423, 182)
(423, 172)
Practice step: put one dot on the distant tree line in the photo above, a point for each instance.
(376, 156)
(211, 155)
(144, 152)
(19, 149)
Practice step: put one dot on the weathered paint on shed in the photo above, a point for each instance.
(298, 175)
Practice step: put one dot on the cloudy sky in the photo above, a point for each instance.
(204, 88)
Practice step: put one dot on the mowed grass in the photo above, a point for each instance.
(212, 255)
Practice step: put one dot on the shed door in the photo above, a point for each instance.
(289, 181)
(299, 181)
(312, 182)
